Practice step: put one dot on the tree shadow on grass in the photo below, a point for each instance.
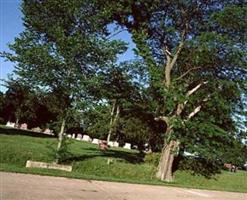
(133, 158)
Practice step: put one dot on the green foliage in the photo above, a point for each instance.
(63, 153)
(96, 121)
(135, 131)
(152, 158)
(197, 165)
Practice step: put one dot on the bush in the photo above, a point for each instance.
(201, 166)
(152, 158)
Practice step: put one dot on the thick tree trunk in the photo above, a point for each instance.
(60, 138)
(164, 172)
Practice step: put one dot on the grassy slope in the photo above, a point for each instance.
(90, 163)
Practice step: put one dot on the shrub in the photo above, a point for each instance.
(152, 158)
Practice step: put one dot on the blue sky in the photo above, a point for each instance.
(11, 25)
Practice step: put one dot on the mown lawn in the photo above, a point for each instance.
(90, 163)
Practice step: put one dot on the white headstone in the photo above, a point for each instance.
(73, 135)
(10, 124)
(47, 131)
(111, 144)
(69, 136)
(86, 138)
(79, 136)
(127, 146)
(95, 141)
(115, 144)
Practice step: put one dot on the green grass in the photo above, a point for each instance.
(90, 163)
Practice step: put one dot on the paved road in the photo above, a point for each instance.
(26, 187)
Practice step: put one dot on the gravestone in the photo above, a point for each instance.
(79, 137)
(115, 144)
(47, 131)
(110, 143)
(86, 138)
(23, 126)
(127, 146)
(10, 124)
(37, 129)
(95, 141)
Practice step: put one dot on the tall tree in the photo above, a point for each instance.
(60, 51)
(119, 90)
(196, 51)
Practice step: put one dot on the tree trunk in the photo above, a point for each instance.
(60, 138)
(113, 120)
(164, 171)
(17, 117)
(17, 121)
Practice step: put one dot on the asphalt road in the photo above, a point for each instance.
(14, 186)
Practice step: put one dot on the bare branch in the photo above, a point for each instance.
(197, 109)
(175, 57)
(184, 74)
(116, 33)
(180, 47)
(167, 67)
(180, 106)
(167, 53)
(171, 60)
(190, 92)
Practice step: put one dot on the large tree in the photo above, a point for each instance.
(196, 53)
